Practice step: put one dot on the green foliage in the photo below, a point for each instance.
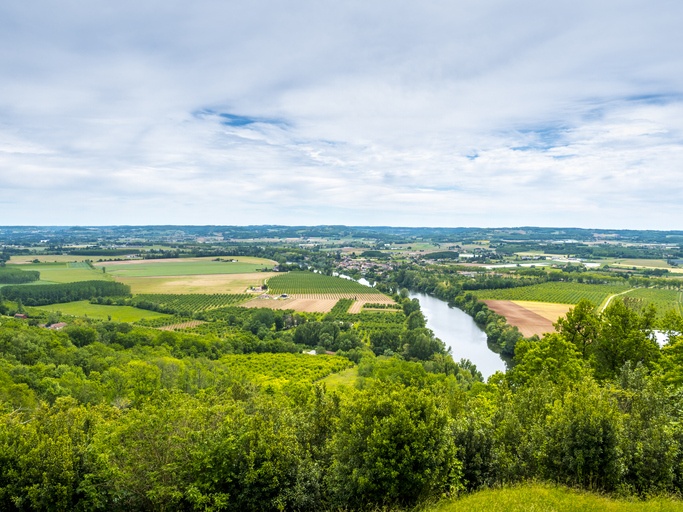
(41, 294)
(13, 275)
(624, 335)
(393, 446)
(188, 303)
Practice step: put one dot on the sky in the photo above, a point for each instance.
(483, 113)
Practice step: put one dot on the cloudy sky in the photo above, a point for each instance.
(432, 113)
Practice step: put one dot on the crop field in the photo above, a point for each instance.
(549, 310)
(643, 263)
(663, 300)
(102, 312)
(561, 293)
(213, 283)
(279, 369)
(318, 302)
(24, 259)
(184, 267)
(193, 302)
(310, 282)
(65, 272)
(191, 324)
(527, 321)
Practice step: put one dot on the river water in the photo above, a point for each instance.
(459, 332)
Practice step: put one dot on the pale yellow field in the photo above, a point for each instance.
(243, 259)
(318, 302)
(547, 310)
(48, 258)
(213, 283)
(641, 263)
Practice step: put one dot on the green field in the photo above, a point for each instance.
(185, 267)
(279, 369)
(194, 302)
(309, 282)
(560, 293)
(64, 272)
(542, 498)
(101, 312)
(664, 300)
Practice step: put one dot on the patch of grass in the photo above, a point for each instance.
(347, 377)
(539, 497)
(102, 312)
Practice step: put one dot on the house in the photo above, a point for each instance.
(20, 315)
(58, 326)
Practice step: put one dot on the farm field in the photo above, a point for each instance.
(643, 263)
(548, 310)
(191, 324)
(527, 321)
(562, 293)
(65, 272)
(212, 283)
(183, 267)
(193, 302)
(24, 259)
(310, 282)
(102, 312)
(280, 369)
(318, 302)
(663, 300)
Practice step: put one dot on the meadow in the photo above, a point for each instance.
(103, 312)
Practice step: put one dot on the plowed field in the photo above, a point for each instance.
(527, 321)
(317, 302)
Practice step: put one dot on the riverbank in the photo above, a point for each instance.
(460, 333)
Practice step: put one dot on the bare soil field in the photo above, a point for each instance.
(317, 302)
(547, 310)
(211, 283)
(528, 322)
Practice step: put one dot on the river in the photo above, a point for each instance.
(459, 332)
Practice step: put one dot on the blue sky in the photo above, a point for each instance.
(434, 113)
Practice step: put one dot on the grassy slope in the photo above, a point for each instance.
(539, 497)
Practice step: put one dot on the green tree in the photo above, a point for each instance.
(393, 446)
(580, 326)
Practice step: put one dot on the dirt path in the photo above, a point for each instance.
(609, 299)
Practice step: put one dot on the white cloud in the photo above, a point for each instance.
(473, 113)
